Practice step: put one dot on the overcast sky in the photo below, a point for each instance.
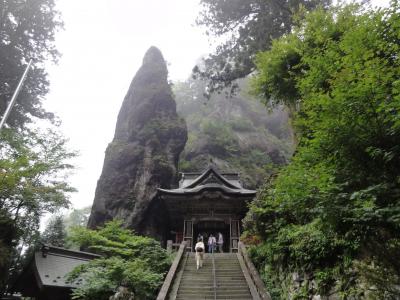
(103, 44)
(102, 47)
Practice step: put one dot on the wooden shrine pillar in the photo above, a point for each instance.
(188, 234)
(234, 235)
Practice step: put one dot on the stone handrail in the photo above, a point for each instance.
(214, 275)
(255, 277)
(165, 289)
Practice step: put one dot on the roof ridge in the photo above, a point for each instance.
(56, 250)
(206, 173)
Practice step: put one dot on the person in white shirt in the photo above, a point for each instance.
(211, 244)
(199, 248)
(220, 241)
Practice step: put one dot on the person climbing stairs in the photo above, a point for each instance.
(229, 281)
(223, 276)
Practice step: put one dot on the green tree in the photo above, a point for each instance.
(135, 262)
(247, 26)
(236, 133)
(27, 31)
(33, 166)
(32, 162)
(77, 217)
(55, 233)
(334, 213)
(7, 234)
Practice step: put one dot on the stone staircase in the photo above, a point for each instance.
(196, 284)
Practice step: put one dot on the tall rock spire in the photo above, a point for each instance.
(143, 156)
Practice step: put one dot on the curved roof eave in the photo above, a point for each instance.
(238, 192)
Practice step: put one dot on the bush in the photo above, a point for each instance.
(338, 201)
(241, 124)
(135, 262)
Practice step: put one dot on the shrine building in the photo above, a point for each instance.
(206, 203)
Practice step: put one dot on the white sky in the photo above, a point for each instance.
(103, 44)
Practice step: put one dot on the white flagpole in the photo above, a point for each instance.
(14, 97)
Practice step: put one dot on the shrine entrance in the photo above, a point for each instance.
(229, 228)
(206, 203)
(205, 228)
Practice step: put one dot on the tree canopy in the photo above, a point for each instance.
(34, 160)
(333, 214)
(27, 31)
(237, 133)
(246, 27)
(33, 166)
(77, 217)
(128, 260)
(55, 233)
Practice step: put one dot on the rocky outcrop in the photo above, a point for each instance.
(144, 153)
(238, 133)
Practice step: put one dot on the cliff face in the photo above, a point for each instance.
(237, 133)
(144, 153)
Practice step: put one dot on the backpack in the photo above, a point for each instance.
(199, 249)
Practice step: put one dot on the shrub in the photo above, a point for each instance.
(135, 262)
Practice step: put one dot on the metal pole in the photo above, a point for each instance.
(14, 97)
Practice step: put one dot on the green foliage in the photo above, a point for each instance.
(103, 276)
(333, 214)
(159, 127)
(32, 163)
(77, 217)
(27, 30)
(136, 262)
(236, 133)
(377, 275)
(221, 137)
(186, 166)
(240, 124)
(55, 233)
(7, 234)
(247, 27)
(33, 166)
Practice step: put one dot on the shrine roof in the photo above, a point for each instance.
(50, 267)
(209, 180)
(54, 263)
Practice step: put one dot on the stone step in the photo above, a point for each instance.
(194, 279)
(191, 294)
(211, 288)
(196, 294)
(209, 263)
(222, 275)
(227, 275)
(199, 284)
(217, 268)
(232, 277)
(221, 279)
(194, 282)
(203, 297)
(209, 266)
(188, 296)
(211, 296)
(218, 274)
